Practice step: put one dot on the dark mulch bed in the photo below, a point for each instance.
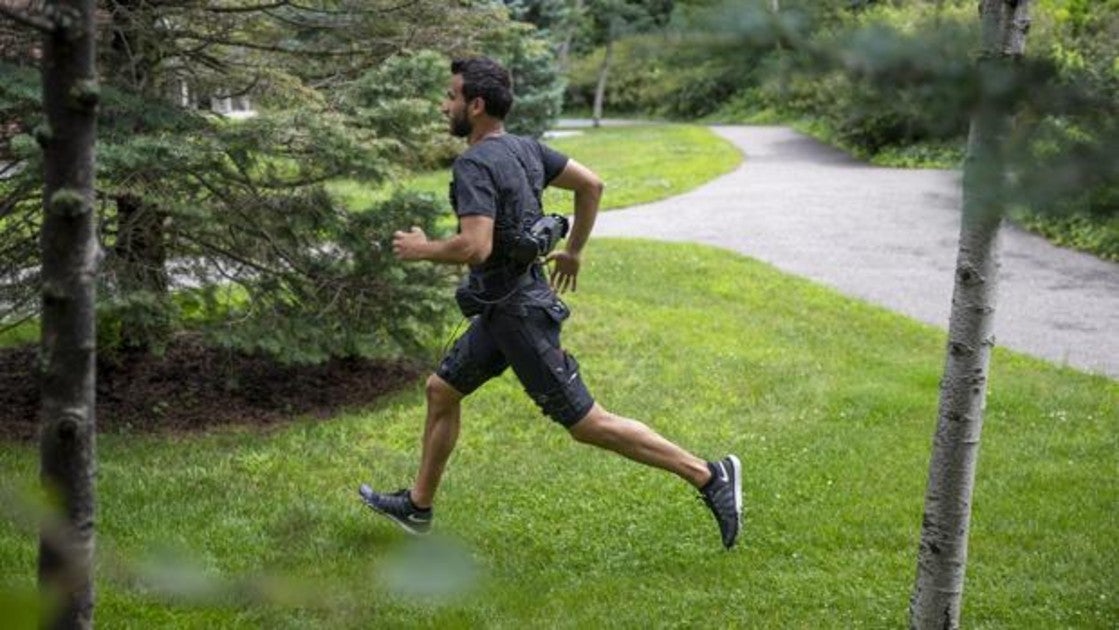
(194, 387)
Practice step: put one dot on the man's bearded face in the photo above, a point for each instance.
(454, 108)
(461, 126)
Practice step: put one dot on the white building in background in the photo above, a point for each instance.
(240, 106)
(233, 107)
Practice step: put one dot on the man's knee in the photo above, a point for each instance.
(440, 393)
(593, 428)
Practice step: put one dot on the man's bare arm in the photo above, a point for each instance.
(471, 246)
(588, 189)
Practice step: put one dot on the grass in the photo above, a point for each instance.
(829, 402)
(20, 334)
(639, 165)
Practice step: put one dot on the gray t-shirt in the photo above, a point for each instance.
(503, 177)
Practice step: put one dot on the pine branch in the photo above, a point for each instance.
(240, 92)
(248, 45)
(352, 10)
(249, 9)
(17, 323)
(36, 22)
(226, 253)
(334, 20)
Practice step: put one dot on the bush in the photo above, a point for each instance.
(1096, 235)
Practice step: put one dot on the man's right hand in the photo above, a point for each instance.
(409, 245)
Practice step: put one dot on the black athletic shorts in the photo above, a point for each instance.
(526, 337)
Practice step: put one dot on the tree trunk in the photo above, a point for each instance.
(572, 28)
(942, 554)
(603, 73)
(141, 270)
(139, 262)
(69, 266)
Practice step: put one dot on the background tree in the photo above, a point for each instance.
(234, 215)
(558, 21)
(568, 32)
(69, 256)
(609, 20)
(537, 82)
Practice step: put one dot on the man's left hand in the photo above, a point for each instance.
(565, 270)
(409, 245)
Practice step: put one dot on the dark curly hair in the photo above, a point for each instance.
(484, 77)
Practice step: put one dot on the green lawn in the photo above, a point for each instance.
(829, 402)
(639, 165)
(23, 333)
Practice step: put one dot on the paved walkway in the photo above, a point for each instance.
(888, 236)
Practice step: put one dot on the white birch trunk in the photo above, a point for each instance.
(572, 29)
(942, 554)
(603, 74)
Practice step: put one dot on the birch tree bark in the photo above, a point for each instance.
(603, 75)
(572, 28)
(70, 255)
(942, 554)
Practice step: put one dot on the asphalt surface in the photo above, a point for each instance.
(887, 236)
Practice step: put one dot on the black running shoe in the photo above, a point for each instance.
(398, 506)
(723, 494)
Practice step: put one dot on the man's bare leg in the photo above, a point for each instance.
(411, 508)
(636, 441)
(720, 483)
(441, 430)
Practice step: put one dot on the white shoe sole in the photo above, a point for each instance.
(737, 466)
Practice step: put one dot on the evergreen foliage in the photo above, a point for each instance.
(666, 74)
(537, 82)
(263, 259)
(399, 101)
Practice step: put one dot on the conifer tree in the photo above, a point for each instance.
(227, 223)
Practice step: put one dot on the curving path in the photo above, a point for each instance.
(887, 236)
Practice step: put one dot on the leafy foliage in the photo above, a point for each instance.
(662, 74)
(223, 224)
(895, 80)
